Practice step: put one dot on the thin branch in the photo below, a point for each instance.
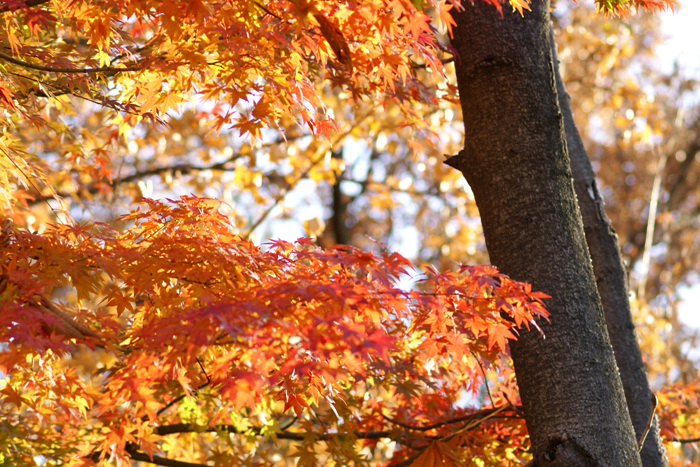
(654, 402)
(408, 426)
(492, 414)
(289, 425)
(653, 202)
(107, 69)
(637, 238)
(480, 414)
(62, 91)
(190, 428)
(283, 193)
(40, 92)
(651, 222)
(474, 420)
(516, 408)
(138, 50)
(365, 183)
(339, 208)
(204, 371)
(182, 396)
(475, 423)
(263, 8)
(27, 4)
(184, 169)
(179, 398)
(686, 440)
(43, 198)
(157, 460)
(675, 194)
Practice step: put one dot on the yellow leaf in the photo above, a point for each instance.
(314, 227)
(520, 5)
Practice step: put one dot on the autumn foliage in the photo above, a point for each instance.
(166, 332)
(176, 307)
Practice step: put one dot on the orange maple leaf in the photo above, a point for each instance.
(6, 95)
(438, 454)
(445, 17)
(520, 5)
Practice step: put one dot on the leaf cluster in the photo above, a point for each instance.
(176, 309)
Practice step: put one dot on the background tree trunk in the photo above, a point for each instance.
(516, 163)
(612, 282)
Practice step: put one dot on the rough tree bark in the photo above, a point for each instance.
(612, 282)
(516, 163)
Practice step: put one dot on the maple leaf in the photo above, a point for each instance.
(417, 24)
(437, 454)
(498, 334)
(445, 17)
(12, 396)
(326, 127)
(6, 95)
(37, 20)
(520, 5)
(22, 196)
(293, 401)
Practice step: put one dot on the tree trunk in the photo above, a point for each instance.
(339, 208)
(516, 163)
(613, 286)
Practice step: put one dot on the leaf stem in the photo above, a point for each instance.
(483, 372)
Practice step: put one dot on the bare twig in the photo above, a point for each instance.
(654, 403)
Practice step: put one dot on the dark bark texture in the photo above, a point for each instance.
(516, 163)
(612, 282)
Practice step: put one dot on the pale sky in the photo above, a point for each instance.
(683, 31)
